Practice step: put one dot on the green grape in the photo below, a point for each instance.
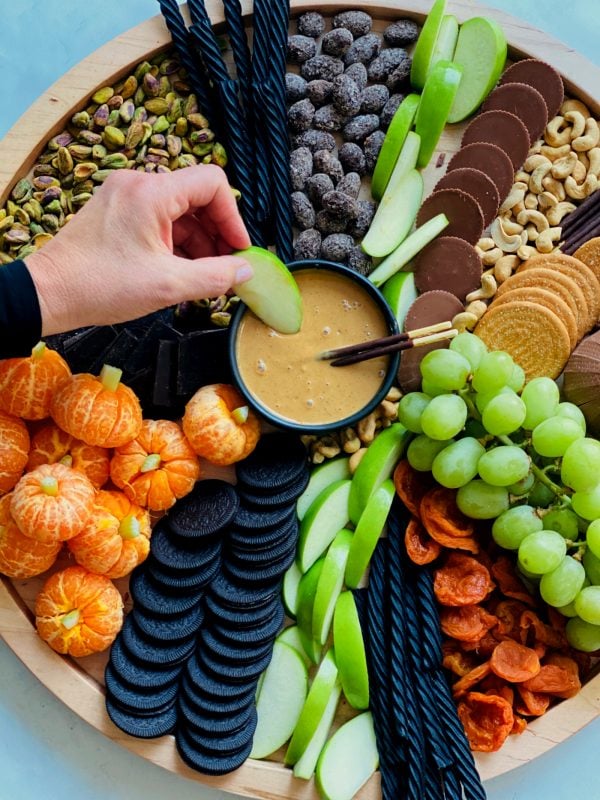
(523, 486)
(567, 610)
(493, 372)
(432, 389)
(592, 537)
(422, 451)
(530, 577)
(517, 379)
(503, 414)
(542, 551)
(479, 500)
(474, 428)
(587, 504)
(504, 465)
(410, 408)
(444, 417)
(445, 368)
(581, 465)
(553, 436)
(457, 463)
(587, 604)
(482, 398)
(583, 636)
(563, 521)
(512, 526)
(591, 564)
(541, 496)
(571, 411)
(470, 347)
(563, 584)
(541, 398)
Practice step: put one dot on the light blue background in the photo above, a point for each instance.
(46, 751)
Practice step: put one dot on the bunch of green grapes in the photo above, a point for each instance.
(520, 457)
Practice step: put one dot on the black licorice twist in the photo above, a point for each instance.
(241, 52)
(261, 60)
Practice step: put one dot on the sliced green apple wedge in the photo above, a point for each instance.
(282, 696)
(351, 656)
(307, 590)
(409, 248)
(306, 764)
(376, 466)
(395, 216)
(438, 95)
(393, 143)
(291, 637)
(481, 51)
(348, 759)
(400, 292)
(319, 694)
(446, 41)
(426, 43)
(368, 530)
(272, 293)
(330, 585)
(321, 477)
(291, 579)
(327, 515)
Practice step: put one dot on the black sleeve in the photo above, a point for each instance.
(20, 317)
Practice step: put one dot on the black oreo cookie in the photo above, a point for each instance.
(239, 596)
(277, 460)
(144, 727)
(250, 519)
(227, 743)
(173, 629)
(209, 508)
(277, 498)
(137, 700)
(263, 632)
(240, 619)
(157, 600)
(149, 651)
(209, 725)
(168, 550)
(175, 581)
(207, 762)
(137, 674)
(231, 653)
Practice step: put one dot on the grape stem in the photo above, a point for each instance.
(466, 396)
(541, 476)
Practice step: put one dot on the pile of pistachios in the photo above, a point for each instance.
(150, 122)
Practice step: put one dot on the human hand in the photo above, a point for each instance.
(145, 241)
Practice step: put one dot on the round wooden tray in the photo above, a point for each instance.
(78, 683)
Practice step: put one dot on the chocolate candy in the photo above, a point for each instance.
(478, 185)
(542, 77)
(501, 128)
(450, 264)
(464, 213)
(525, 102)
(488, 158)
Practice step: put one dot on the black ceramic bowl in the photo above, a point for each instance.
(349, 421)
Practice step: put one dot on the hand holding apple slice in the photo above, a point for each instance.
(272, 293)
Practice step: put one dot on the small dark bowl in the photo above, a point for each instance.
(351, 420)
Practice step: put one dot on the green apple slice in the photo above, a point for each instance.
(327, 515)
(305, 766)
(321, 477)
(426, 43)
(291, 637)
(446, 41)
(407, 161)
(393, 143)
(438, 95)
(395, 216)
(307, 590)
(272, 293)
(368, 530)
(481, 51)
(316, 702)
(348, 759)
(282, 696)
(409, 248)
(291, 579)
(330, 585)
(351, 656)
(400, 292)
(376, 466)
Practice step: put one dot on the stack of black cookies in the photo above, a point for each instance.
(207, 608)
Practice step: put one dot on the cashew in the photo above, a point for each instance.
(555, 134)
(534, 161)
(554, 153)
(491, 256)
(488, 289)
(506, 241)
(535, 217)
(530, 201)
(505, 267)
(516, 195)
(526, 251)
(486, 243)
(517, 209)
(579, 172)
(578, 124)
(476, 307)
(555, 214)
(554, 187)
(564, 166)
(589, 139)
(465, 321)
(536, 147)
(521, 177)
(355, 459)
(510, 226)
(546, 239)
(538, 175)
(366, 428)
(583, 159)
(594, 161)
(532, 232)
(546, 200)
(388, 409)
(584, 190)
(394, 394)
(574, 105)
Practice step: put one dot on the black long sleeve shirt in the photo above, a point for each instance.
(20, 316)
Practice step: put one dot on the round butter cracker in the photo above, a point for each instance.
(549, 300)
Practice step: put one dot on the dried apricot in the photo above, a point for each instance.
(514, 662)
(456, 661)
(439, 512)
(487, 720)
(508, 613)
(420, 547)
(556, 680)
(533, 704)
(466, 623)
(519, 725)
(411, 486)
(462, 581)
(534, 631)
(509, 582)
(471, 679)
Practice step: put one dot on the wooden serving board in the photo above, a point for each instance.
(78, 683)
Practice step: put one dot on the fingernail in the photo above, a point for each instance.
(244, 273)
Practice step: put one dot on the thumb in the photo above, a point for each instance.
(207, 277)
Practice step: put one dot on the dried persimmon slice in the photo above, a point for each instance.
(514, 662)
(487, 720)
(462, 581)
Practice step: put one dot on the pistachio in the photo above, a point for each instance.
(23, 252)
(114, 161)
(161, 124)
(81, 199)
(64, 161)
(90, 138)
(22, 191)
(219, 155)
(81, 119)
(113, 137)
(53, 207)
(50, 195)
(140, 114)
(135, 134)
(175, 109)
(141, 70)
(197, 120)
(115, 102)
(44, 169)
(41, 238)
(169, 66)
(16, 235)
(186, 160)
(100, 175)
(173, 145)
(6, 223)
(80, 151)
(181, 126)
(129, 87)
(22, 216)
(158, 140)
(127, 111)
(84, 170)
(5, 258)
(202, 149)
(156, 105)
(101, 116)
(220, 318)
(150, 85)
(103, 95)
(61, 140)
(11, 208)
(201, 136)
(99, 151)
(34, 208)
(182, 87)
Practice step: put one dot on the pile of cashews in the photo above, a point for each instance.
(562, 169)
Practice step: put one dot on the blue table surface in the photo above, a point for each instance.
(46, 751)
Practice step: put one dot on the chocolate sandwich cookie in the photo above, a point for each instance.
(240, 597)
(210, 726)
(139, 701)
(208, 509)
(464, 213)
(251, 636)
(478, 185)
(262, 557)
(157, 600)
(503, 129)
(248, 520)
(240, 619)
(177, 581)
(140, 675)
(488, 158)
(267, 575)
(216, 707)
(206, 684)
(540, 76)
(207, 762)
(525, 102)
(231, 653)
(150, 651)
(173, 629)
(277, 460)
(227, 742)
(275, 498)
(242, 674)
(144, 727)
(449, 264)
(170, 551)
(264, 540)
